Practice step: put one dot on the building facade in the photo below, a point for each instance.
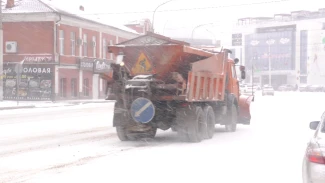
(141, 26)
(59, 56)
(284, 49)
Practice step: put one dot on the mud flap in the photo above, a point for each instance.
(244, 109)
(120, 117)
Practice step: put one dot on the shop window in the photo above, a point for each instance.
(85, 46)
(74, 87)
(86, 87)
(63, 87)
(73, 43)
(61, 42)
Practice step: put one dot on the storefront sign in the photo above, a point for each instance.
(35, 82)
(276, 29)
(95, 65)
(39, 59)
(102, 66)
(87, 64)
(36, 70)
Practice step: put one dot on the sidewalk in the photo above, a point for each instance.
(10, 104)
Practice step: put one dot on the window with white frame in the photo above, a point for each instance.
(94, 46)
(73, 43)
(111, 54)
(85, 46)
(104, 48)
(61, 41)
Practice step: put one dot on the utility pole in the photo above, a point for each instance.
(1, 54)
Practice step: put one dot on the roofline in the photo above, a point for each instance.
(55, 11)
(71, 16)
(93, 21)
(157, 36)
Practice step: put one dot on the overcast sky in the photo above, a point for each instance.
(177, 18)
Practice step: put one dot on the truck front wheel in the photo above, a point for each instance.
(232, 118)
(122, 133)
(151, 133)
(210, 122)
(195, 126)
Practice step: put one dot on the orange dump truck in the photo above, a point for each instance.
(161, 83)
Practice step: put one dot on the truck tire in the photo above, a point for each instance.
(195, 126)
(151, 133)
(122, 133)
(232, 118)
(210, 122)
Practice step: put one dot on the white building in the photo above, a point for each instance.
(292, 44)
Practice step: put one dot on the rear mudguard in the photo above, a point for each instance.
(244, 109)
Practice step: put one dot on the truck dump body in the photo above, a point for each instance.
(198, 75)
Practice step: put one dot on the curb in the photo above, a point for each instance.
(91, 102)
(55, 106)
(67, 104)
(17, 107)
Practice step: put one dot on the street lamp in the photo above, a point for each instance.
(270, 42)
(165, 27)
(154, 12)
(254, 43)
(215, 37)
(198, 27)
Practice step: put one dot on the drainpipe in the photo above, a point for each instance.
(55, 45)
(55, 34)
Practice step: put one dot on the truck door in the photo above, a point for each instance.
(234, 81)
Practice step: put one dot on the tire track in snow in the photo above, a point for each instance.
(24, 176)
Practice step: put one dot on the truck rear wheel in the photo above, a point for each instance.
(232, 118)
(210, 122)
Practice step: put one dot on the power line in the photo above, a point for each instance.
(184, 9)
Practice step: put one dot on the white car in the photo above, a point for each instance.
(267, 90)
(248, 88)
(313, 168)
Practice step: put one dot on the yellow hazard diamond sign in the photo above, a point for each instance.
(142, 66)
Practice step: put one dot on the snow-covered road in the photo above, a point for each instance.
(78, 144)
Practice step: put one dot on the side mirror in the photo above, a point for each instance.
(243, 75)
(236, 61)
(313, 125)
